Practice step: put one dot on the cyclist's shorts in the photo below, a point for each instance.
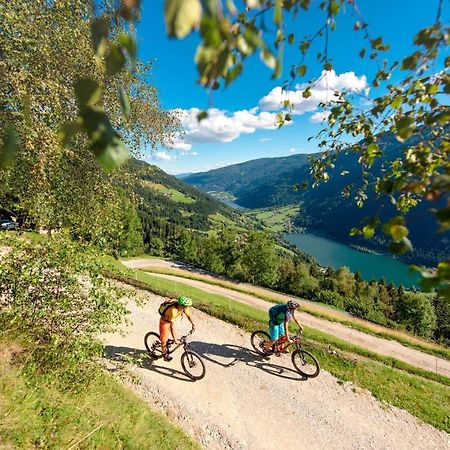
(276, 331)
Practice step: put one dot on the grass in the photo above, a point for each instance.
(422, 393)
(221, 219)
(36, 411)
(353, 322)
(276, 218)
(175, 195)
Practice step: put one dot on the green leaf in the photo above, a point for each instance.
(67, 130)
(87, 92)
(232, 74)
(305, 4)
(128, 43)
(402, 247)
(398, 232)
(277, 12)
(182, 16)
(8, 150)
(268, 58)
(112, 155)
(405, 128)
(202, 115)
(304, 46)
(210, 31)
(443, 217)
(397, 102)
(278, 66)
(291, 38)
(302, 70)
(105, 143)
(115, 60)
(306, 93)
(368, 231)
(124, 102)
(99, 35)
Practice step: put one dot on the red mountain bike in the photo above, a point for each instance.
(304, 362)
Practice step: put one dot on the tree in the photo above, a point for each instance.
(416, 313)
(413, 109)
(50, 74)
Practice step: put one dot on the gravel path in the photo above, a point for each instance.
(378, 345)
(246, 402)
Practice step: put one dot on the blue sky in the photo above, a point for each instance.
(240, 127)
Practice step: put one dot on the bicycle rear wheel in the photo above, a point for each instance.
(153, 344)
(193, 365)
(305, 363)
(258, 339)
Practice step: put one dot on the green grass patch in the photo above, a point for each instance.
(277, 219)
(36, 411)
(219, 218)
(422, 393)
(175, 195)
(374, 330)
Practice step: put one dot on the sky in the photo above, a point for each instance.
(241, 122)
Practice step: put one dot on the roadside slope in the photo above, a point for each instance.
(376, 344)
(247, 402)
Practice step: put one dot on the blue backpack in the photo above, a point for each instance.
(275, 313)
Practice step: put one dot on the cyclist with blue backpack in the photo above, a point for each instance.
(279, 318)
(169, 312)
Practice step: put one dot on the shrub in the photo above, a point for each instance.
(331, 298)
(53, 291)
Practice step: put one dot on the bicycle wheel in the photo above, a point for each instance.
(305, 363)
(193, 365)
(153, 344)
(258, 339)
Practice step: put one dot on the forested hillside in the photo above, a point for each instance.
(169, 207)
(270, 182)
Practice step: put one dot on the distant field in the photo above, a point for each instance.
(220, 218)
(175, 195)
(277, 219)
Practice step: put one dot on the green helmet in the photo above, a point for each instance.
(184, 301)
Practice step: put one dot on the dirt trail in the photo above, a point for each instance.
(382, 346)
(245, 402)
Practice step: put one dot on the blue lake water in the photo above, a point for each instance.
(334, 254)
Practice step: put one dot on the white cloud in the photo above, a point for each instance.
(293, 150)
(193, 154)
(221, 126)
(226, 126)
(319, 116)
(163, 156)
(180, 145)
(323, 91)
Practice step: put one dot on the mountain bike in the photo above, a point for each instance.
(304, 362)
(191, 361)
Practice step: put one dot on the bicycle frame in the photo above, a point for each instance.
(183, 341)
(280, 347)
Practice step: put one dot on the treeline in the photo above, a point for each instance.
(255, 257)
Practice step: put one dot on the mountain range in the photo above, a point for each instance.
(269, 183)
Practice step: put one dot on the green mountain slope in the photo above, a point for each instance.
(164, 203)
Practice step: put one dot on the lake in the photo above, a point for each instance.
(335, 254)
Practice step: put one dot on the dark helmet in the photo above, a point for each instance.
(292, 304)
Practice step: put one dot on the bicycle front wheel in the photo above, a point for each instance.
(153, 345)
(193, 365)
(305, 363)
(258, 339)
